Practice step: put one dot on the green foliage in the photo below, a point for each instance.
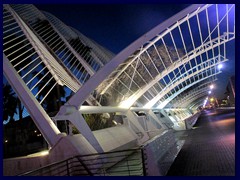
(75, 130)
(98, 121)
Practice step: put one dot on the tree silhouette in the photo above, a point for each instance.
(9, 103)
(52, 102)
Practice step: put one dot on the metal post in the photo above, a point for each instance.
(68, 173)
(143, 161)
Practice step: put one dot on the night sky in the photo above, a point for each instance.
(115, 26)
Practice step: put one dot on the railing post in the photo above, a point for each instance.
(128, 168)
(85, 166)
(143, 161)
(68, 173)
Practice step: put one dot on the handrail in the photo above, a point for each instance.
(128, 161)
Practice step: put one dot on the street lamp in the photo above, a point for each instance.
(220, 66)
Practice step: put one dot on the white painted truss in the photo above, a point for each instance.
(203, 86)
(159, 57)
(154, 84)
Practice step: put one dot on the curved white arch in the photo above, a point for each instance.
(191, 55)
(152, 42)
(208, 44)
(191, 93)
(78, 98)
(189, 100)
(212, 63)
(197, 103)
(182, 90)
(183, 97)
(195, 98)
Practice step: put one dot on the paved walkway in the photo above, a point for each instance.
(209, 149)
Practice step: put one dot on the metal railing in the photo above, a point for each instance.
(118, 163)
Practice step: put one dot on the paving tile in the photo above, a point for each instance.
(209, 148)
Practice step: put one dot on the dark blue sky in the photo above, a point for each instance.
(115, 26)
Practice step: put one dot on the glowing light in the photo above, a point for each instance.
(6, 141)
(212, 99)
(211, 87)
(127, 103)
(35, 131)
(209, 92)
(220, 66)
(205, 102)
(44, 153)
(114, 122)
(106, 115)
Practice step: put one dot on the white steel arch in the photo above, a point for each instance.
(92, 84)
(152, 71)
(28, 63)
(204, 87)
(197, 103)
(183, 98)
(25, 13)
(210, 46)
(194, 95)
(213, 62)
(181, 62)
(199, 96)
(100, 55)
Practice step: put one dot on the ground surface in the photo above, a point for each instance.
(209, 148)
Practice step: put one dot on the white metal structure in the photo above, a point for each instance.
(187, 96)
(146, 67)
(36, 59)
(152, 73)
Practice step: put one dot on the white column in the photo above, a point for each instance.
(79, 122)
(151, 113)
(133, 119)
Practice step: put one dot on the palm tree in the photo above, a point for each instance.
(21, 52)
(52, 102)
(9, 103)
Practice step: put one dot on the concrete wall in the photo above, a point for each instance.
(116, 138)
(66, 147)
(160, 153)
(191, 121)
(165, 121)
(15, 166)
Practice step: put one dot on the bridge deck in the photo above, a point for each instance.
(209, 148)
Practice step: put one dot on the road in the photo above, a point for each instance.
(209, 148)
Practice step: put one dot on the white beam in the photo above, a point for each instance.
(78, 98)
(38, 114)
(133, 119)
(185, 88)
(169, 88)
(191, 55)
(152, 42)
(193, 99)
(79, 122)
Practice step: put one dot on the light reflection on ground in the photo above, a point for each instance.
(224, 122)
